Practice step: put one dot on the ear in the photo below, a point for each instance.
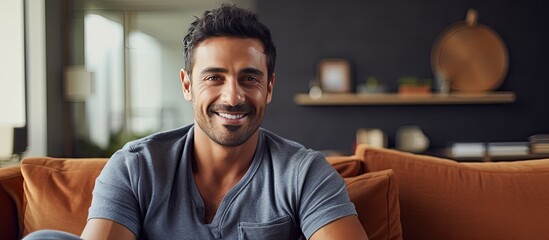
(186, 85)
(270, 87)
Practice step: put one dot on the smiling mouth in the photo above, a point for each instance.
(231, 116)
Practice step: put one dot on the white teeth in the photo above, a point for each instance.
(231, 116)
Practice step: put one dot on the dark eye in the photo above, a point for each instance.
(213, 78)
(250, 79)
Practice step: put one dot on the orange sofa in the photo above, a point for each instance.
(397, 195)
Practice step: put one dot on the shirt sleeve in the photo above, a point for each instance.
(114, 194)
(323, 195)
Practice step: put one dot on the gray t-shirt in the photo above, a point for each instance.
(288, 191)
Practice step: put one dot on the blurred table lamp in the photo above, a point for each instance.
(6, 143)
(78, 83)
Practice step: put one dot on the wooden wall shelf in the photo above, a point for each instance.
(404, 99)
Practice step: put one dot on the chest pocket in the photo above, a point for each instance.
(279, 228)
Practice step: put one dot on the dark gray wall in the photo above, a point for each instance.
(393, 38)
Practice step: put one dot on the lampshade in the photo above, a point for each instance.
(6, 142)
(78, 83)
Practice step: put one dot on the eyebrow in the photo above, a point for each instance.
(214, 70)
(253, 71)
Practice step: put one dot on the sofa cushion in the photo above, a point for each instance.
(346, 166)
(57, 193)
(444, 199)
(375, 195)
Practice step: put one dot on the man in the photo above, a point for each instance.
(224, 176)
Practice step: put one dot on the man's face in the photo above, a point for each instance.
(229, 88)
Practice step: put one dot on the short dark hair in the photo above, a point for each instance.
(229, 21)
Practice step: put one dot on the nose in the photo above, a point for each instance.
(232, 93)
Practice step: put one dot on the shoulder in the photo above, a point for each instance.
(161, 140)
(318, 192)
(159, 149)
(146, 162)
(289, 151)
(292, 157)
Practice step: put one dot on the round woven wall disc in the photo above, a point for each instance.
(471, 56)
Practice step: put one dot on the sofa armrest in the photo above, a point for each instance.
(11, 201)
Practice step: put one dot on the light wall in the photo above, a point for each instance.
(12, 64)
(15, 25)
(36, 69)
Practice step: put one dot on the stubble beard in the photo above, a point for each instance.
(230, 135)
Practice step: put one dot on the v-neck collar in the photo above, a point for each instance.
(228, 199)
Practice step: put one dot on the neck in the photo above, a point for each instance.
(214, 161)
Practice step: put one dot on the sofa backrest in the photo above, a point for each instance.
(54, 193)
(444, 199)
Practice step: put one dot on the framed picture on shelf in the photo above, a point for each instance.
(335, 75)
